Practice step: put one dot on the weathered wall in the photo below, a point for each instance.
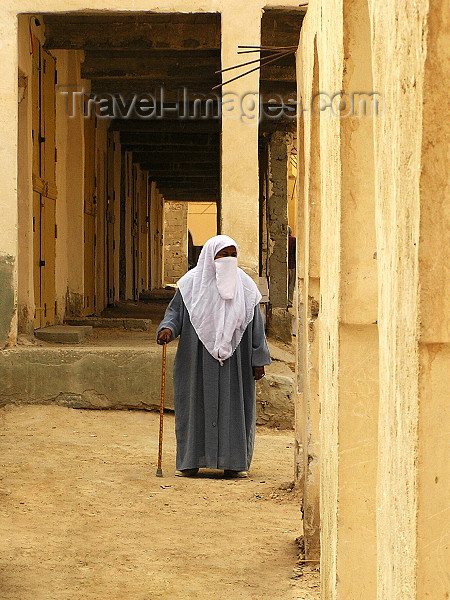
(279, 148)
(384, 319)
(175, 241)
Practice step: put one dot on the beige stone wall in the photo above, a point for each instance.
(383, 355)
(175, 241)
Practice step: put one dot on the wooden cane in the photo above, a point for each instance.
(159, 472)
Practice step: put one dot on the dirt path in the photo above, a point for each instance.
(83, 516)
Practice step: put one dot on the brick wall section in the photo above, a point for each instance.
(175, 241)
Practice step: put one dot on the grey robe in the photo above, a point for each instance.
(215, 407)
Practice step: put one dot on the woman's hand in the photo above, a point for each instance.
(258, 373)
(164, 336)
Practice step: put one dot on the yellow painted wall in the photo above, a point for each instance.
(202, 221)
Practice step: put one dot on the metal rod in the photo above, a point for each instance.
(159, 472)
(265, 49)
(252, 70)
(249, 62)
(269, 47)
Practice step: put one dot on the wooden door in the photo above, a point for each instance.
(37, 258)
(89, 217)
(48, 292)
(143, 230)
(44, 185)
(135, 231)
(110, 219)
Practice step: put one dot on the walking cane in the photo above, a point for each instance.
(159, 472)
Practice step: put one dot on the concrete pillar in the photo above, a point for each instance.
(8, 179)
(241, 24)
(277, 203)
(358, 332)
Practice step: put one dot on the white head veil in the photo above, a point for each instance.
(219, 323)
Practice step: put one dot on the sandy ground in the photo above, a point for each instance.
(83, 516)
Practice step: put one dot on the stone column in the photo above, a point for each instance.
(358, 379)
(241, 24)
(277, 204)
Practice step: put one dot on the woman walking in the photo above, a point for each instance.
(221, 352)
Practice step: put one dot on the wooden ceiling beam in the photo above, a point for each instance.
(180, 174)
(177, 139)
(204, 159)
(157, 163)
(145, 64)
(140, 31)
(169, 153)
(166, 125)
(173, 88)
